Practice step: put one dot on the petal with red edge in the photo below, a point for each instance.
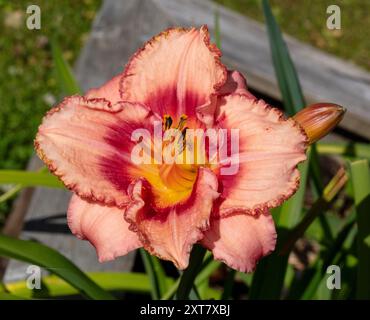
(175, 72)
(109, 90)
(240, 240)
(270, 147)
(171, 234)
(76, 138)
(104, 227)
(235, 83)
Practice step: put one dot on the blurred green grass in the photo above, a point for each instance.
(27, 82)
(306, 21)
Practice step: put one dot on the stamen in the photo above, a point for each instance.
(181, 141)
(182, 122)
(178, 177)
(167, 122)
(183, 144)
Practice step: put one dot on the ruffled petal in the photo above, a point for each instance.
(86, 143)
(240, 240)
(175, 72)
(108, 91)
(270, 147)
(235, 83)
(104, 227)
(171, 234)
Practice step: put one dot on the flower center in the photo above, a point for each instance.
(178, 177)
(174, 162)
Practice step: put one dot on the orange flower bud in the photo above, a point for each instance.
(319, 119)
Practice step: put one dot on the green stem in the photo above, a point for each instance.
(320, 205)
(188, 277)
(208, 267)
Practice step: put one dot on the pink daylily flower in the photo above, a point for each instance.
(119, 206)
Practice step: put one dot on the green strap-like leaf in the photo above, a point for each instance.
(209, 266)
(9, 296)
(29, 178)
(156, 274)
(290, 210)
(268, 278)
(331, 190)
(10, 193)
(308, 285)
(17, 187)
(110, 281)
(284, 68)
(189, 275)
(63, 71)
(45, 257)
(347, 149)
(267, 284)
(293, 102)
(361, 187)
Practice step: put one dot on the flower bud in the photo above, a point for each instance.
(319, 119)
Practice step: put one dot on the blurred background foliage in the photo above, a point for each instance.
(28, 86)
(303, 19)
